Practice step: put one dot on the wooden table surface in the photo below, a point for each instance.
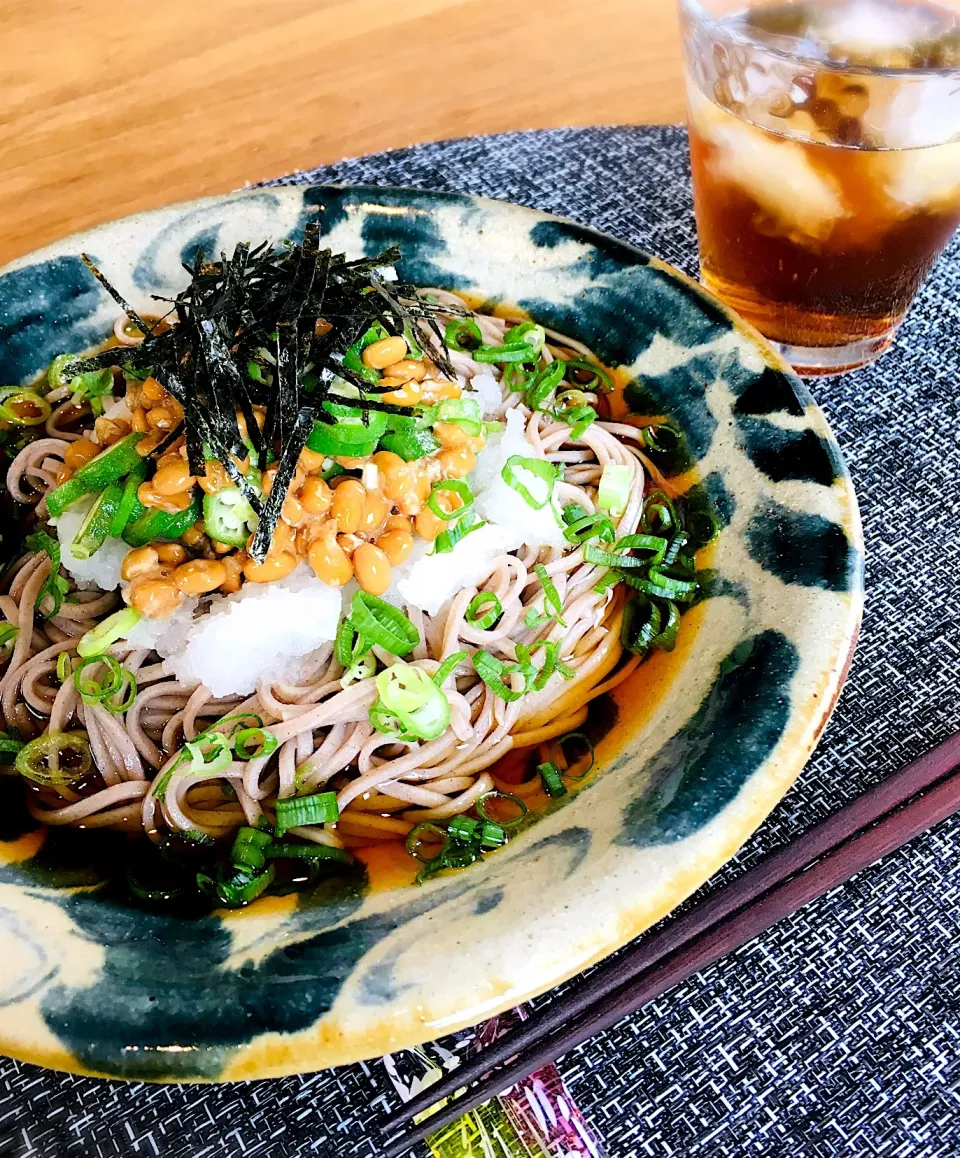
(107, 108)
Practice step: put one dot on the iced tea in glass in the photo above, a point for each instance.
(825, 144)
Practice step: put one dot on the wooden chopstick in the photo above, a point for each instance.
(881, 820)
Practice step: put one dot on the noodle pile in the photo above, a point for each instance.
(384, 787)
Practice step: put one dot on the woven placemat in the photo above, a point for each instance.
(837, 1033)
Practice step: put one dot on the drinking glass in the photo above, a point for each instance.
(825, 147)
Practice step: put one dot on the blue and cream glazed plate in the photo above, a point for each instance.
(694, 751)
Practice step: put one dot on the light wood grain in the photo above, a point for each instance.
(107, 108)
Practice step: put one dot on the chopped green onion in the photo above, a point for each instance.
(207, 754)
(664, 586)
(408, 693)
(551, 597)
(591, 527)
(263, 740)
(543, 384)
(421, 835)
(94, 691)
(55, 378)
(92, 387)
(613, 494)
(383, 625)
(540, 470)
(494, 674)
(447, 540)
(300, 811)
(40, 760)
(579, 419)
(308, 852)
(498, 800)
(463, 828)
(41, 541)
(659, 514)
(641, 626)
(460, 329)
(611, 579)
(240, 889)
(456, 487)
(527, 333)
(663, 438)
(516, 377)
(363, 669)
(64, 667)
(248, 848)
(482, 619)
(704, 526)
(523, 352)
(11, 396)
(574, 513)
(533, 618)
(613, 558)
(492, 835)
(448, 667)
(349, 646)
(600, 383)
(550, 775)
(654, 544)
(550, 663)
(564, 761)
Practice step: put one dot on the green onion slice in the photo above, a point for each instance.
(427, 834)
(299, 811)
(591, 527)
(208, 754)
(463, 828)
(543, 384)
(452, 486)
(10, 744)
(448, 539)
(494, 673)
(42, 760)
(383, 625)
(600, 383)
(613, 558)
(363, 669)
(64, 666)
(659, 514)
(613, 494)
(522, 352)
(550, 775)
(500, 802)
(408, 693)
(12, 396)
(484, 610)
(248, 848)
(527, 333)
(519, 471)
(96, 691)
(565, 761)
(551, 597)
(654, 545)
(492, 835)
(448, 667)
(254, 743)
(308, 852)
(611, 579)
(460, 330)
(662, 437)
(105, 634)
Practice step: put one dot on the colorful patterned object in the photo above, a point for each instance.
(692, 754)
(537, 1118)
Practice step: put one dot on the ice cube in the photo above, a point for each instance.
(774, 171)
(922, 178)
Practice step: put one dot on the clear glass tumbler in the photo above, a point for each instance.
(825, 145)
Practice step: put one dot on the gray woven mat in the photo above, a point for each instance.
(838, 1032)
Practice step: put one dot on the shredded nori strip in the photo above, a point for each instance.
(262, 306)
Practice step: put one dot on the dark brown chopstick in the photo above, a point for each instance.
(816, 862)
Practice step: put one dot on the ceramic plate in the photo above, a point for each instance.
(693, 752)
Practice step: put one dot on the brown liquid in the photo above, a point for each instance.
(811, 224)
(854, 281)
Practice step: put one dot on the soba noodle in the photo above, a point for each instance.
(384, 787)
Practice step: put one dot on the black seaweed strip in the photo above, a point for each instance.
(281, 484)
(168, 441)
(116, 295)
